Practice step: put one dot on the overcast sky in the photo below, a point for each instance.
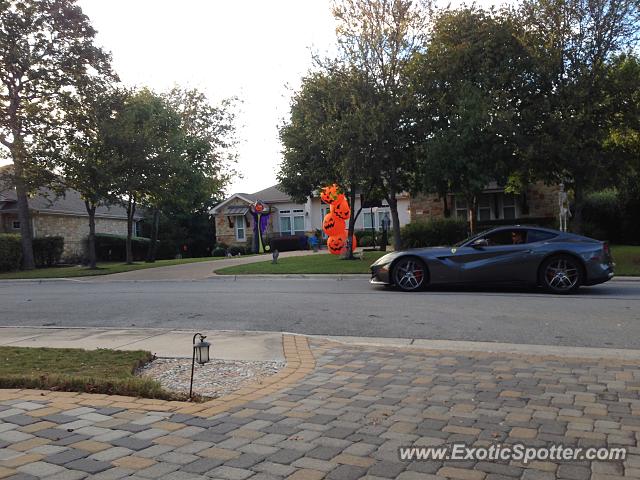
(255, 50)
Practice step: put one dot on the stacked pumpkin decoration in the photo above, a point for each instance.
(334, 223)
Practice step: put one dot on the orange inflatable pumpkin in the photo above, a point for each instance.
(340, 208)
(336, 244)
(333, 225)
(329, 194)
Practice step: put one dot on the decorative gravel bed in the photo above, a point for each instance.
(214, 379)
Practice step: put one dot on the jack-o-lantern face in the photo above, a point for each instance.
(336, 244)
(329, 194)
(340, 208)
(333, 225)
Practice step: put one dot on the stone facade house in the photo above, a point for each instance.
(538, 204)
(63, 216)
(234, 222)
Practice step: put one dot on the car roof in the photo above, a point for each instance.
(526, 227)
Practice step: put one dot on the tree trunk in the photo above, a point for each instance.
(91, 243)
(578, 204)
(395, 220)
(131, 209)
(472, 213)
(24, 216)
(348, 255)
(153, 245)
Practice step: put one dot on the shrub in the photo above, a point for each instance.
(113, 247)
(47, 251)
(10, 252)
(219, 252)
(237, 250)
(603, 216)
(435, 232)
(289, 243)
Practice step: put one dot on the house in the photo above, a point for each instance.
(234, 222)
(537, 204)
(64, 216)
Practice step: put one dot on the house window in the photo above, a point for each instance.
(240, 228)
(484, 208)
(291, 222)
(508, 207)
(367, 220)
(461, 208)
(15, 225)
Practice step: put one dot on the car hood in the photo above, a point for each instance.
(422, 252)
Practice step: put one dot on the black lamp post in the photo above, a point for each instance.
(200, 354)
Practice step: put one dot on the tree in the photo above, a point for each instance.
(472, 89)
(46, 53)
(86, 162)
(573, 43)
(202, 164)
(330, 137)
(379, 37)
(143, 140)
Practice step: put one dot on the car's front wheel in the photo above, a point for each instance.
(561, 274)
(410, 274)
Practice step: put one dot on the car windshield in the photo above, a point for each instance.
(472, 237)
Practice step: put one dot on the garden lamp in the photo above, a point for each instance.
(200, 355)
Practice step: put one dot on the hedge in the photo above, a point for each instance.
(10, 252)
(289, 243)
(432, 233)
(47, 251)
(113, 248)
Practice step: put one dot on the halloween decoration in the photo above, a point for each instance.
(340, 208)
(333, 225)
(329, 194)
(337, 244)
(260, 212)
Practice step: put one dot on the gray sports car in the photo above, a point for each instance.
(558, 261)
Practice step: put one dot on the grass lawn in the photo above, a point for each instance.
(103, 269)
(75, 370)
(309, 264)
(627, 258)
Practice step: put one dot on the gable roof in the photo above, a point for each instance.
(269, 195)
(45, 201)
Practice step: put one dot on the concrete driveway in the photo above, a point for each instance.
(191, 271)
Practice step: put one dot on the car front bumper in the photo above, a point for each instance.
(380, 275)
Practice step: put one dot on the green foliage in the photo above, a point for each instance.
(433, 233)
(237, 250)
(219, 252)
(113, 247)
(10, 252)
(608, 215)
(47, 251)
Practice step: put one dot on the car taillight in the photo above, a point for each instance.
(605, 248)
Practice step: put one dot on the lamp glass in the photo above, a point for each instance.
(202, 352)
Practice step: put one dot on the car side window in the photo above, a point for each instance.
(539, 236)
(507, 237)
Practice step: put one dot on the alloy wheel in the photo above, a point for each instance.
(562, 274)
(409, 274)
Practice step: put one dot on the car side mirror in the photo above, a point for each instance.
(479, 243)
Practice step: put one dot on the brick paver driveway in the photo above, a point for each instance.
(346, 420)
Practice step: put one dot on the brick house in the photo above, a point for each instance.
(63, 216)
(538, 204)
(234, 222)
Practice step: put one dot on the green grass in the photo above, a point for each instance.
(310, 264)
(103, 269)
(627, 258)
(75, 370)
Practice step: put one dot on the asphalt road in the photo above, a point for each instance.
(602, 316)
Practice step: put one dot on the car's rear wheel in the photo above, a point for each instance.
(561, 274)
(410, 274)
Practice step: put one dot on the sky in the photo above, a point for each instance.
(254, 50)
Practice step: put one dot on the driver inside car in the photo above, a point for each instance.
(517, 237)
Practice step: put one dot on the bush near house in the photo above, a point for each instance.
(47, 251)
(112, 248)
(432, 233)
(289, 243)
(10, 252)
(610, 216)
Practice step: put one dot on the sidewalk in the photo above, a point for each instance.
(343, 414)
(191, 271)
